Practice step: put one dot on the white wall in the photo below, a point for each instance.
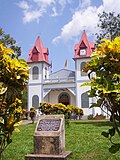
(35, 87)
(34, 90)
(78, 69)
(39, 65)
(80, 90)
(45, 72)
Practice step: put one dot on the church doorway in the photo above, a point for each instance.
(64, 98)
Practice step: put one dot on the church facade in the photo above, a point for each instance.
(62, 86)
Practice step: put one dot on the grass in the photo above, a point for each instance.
(83, 138)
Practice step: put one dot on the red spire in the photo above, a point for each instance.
(84, 48)
(38, 52)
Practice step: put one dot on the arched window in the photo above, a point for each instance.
(64, 98)
(35, 73)
(84, 100)
(81, 68)
(35, 101)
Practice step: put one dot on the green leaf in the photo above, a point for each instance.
(86, 84)
(111, 118)
(3, 88)
(114, 148)
(94, 105)
(115, 91)
(89, 74)
(105, 134)
(117, 117)
(112, 131)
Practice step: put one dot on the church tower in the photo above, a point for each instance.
(39, 71)
(82, 53)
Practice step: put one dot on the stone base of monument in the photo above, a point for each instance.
(63, 156)
(49, 139)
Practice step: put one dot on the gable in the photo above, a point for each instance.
(35, 50)
(63, 73)
(82, 45)
(85, 47)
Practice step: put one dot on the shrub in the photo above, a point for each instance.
(32, 114)
(47, 108)
(90, 117)
(99, 117)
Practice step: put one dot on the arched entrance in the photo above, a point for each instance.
(64, 98)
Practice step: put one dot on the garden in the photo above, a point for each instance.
(83, 138)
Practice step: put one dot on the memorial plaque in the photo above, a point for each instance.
(49, 125)
(49, 139)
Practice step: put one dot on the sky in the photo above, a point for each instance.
(59, 23)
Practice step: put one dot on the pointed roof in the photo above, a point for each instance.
(38, 52)
(83, 44)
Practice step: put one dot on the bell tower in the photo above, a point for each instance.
(82, 53)
(39, 71)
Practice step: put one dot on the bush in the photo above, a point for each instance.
(99, 117)
(47, 108)
(90, 117)
(32, 114)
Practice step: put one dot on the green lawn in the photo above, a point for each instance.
(83, 138)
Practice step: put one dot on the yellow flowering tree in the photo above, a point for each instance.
(105, 84)
(13, 76)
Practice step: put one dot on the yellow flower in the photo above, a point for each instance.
(19, 110)
(16, 130)
(10, 121)
(17, 124)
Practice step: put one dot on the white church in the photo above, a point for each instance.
(62, 86)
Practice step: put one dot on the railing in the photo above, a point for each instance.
(60, 80)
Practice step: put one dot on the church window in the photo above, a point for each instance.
(64, 98)
(82, 52)
(84, 100)
(82, 66)
(35, 73)
(35, 101)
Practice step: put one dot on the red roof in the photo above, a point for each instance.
(38, 52)
(84, 44)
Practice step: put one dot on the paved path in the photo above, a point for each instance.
(29, 121)
(24, 122)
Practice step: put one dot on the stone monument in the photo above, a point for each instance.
(49, 139)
